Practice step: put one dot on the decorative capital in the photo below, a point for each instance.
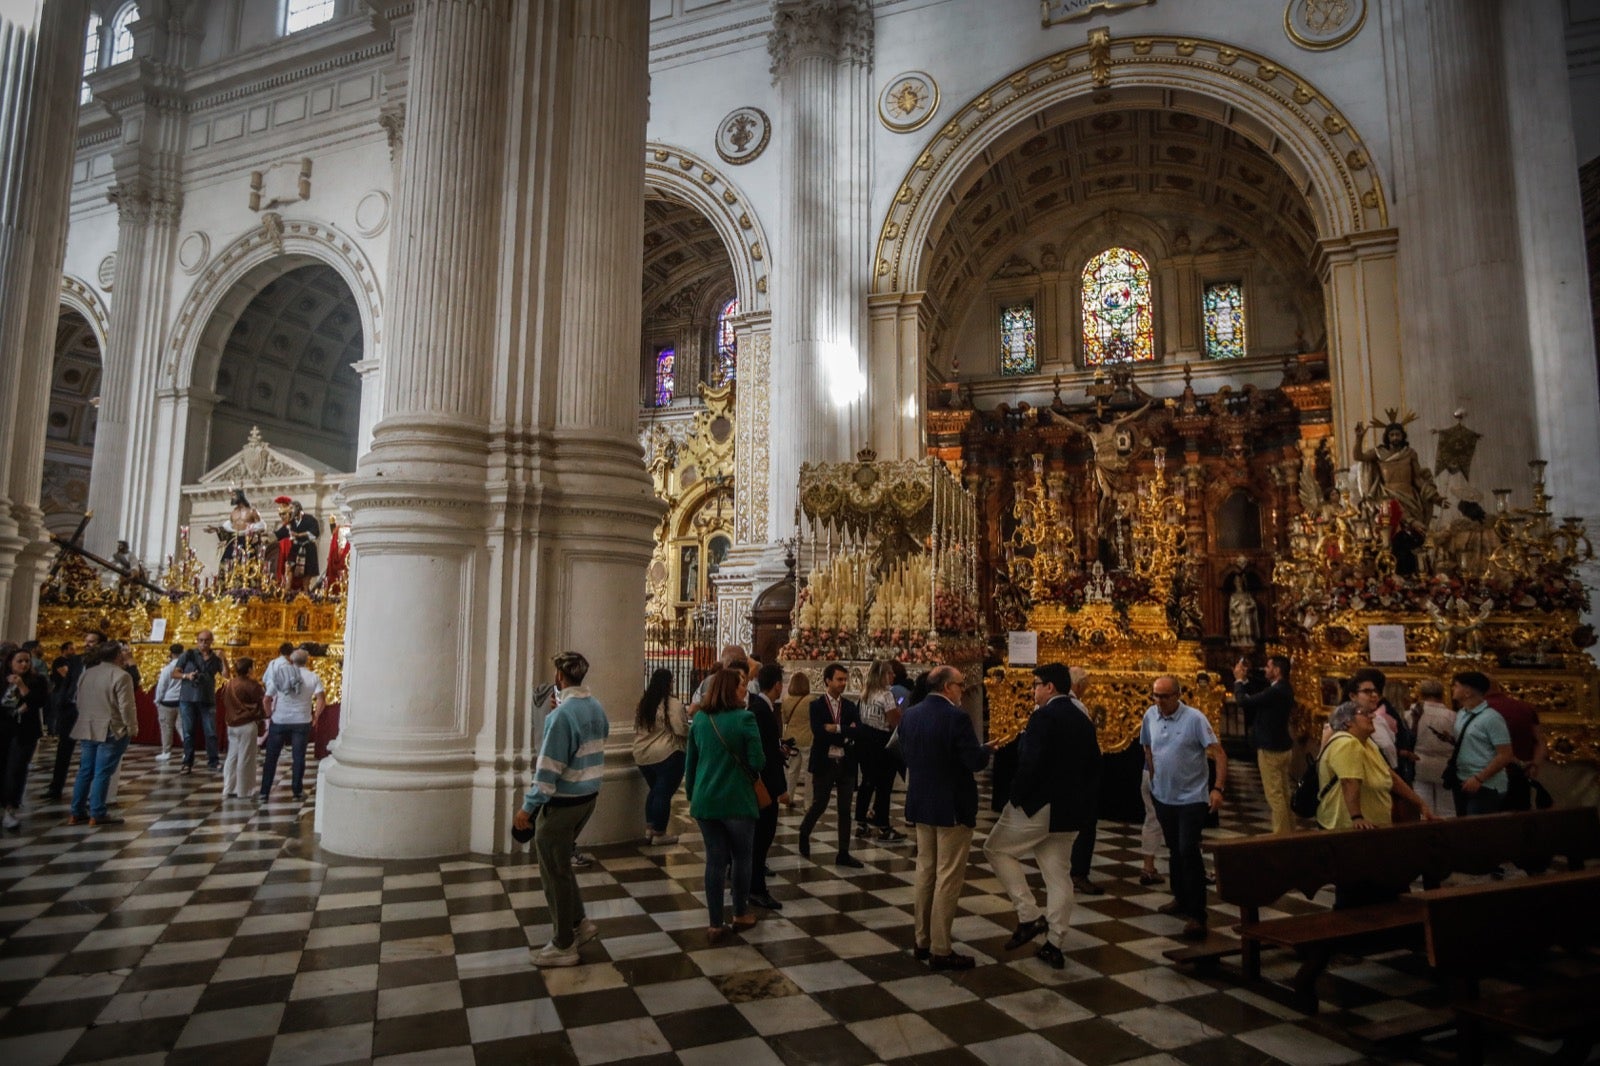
(832, 29)
(141, 200)
(392, 117)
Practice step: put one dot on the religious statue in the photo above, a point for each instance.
(297, 536)
(1460, 631)
(1393, 471)
(1244, 618)
(245, 532)
(1099, 589)
(1112, 445)
(133, 571)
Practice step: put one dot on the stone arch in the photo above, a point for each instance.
(686, 177)
(1264, 101)
(79, 296)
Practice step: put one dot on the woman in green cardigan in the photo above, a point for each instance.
(721, 796)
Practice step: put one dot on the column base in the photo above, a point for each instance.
(403, 809)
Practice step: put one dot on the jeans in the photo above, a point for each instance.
(663, 778)
(297, 735)
(555, 838)
(1181, 825)
(766, 832)
(837, 775)
(877, 777)
(97, 761)
(727, 839)
(198, 719)
(1483, 801)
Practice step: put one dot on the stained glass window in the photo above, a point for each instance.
(1117, 318)
(91, 55)
(727, 342)
(121, 36)
(665, 358)
(1019, 354)
(303, 14)
(1224, 316)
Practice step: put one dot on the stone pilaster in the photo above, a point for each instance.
(400, 781)
(822, 62)
(39, 60)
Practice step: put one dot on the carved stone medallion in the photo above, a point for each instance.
(1323, 24)
(107, 272)
(743, 135)
(193, 251)
(908, 101)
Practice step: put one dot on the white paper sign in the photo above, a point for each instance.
(1022, 648)
(1386, 644)
(158, 630)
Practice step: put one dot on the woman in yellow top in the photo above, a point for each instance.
(1362, 797)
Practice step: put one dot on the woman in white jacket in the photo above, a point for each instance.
(1434, 724)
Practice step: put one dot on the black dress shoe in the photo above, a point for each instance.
(1087, 887)
(766, 871)
(765, 901)
(951, 961)
(921, 954)
(1049, 953)
(844, 858)
(1171, 907)
(1026, 931)
(805, 847)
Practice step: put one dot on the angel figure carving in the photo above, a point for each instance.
(1113, 446)
(1460, 630)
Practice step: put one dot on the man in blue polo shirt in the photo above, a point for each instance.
(1177, 741)
(1483, 747)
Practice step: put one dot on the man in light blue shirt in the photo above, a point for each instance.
(1177, 741)
(1483, 747)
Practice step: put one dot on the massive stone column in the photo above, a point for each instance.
(400, 782)
(1358, 286)
(822, 62)
(40, 55)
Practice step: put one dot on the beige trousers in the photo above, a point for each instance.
(1016, 835)
(942, 852)
(1274, 767)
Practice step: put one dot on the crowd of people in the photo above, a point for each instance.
(751, 742)
(85, 701)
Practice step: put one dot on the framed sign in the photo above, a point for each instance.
(1054, 11)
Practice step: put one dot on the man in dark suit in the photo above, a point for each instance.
(764, 706)
(834, 723)
(1052, 798)
(941, 754)
(1269, 710)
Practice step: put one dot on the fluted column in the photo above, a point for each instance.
(39, 59)
(400, 781)
(822, 61)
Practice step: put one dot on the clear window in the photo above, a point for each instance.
(91, 55)
(1019, 351)
(1224, 320)
(121, 36)
(665, 358)
(1118, 322)
(727, 343)
(303, 14)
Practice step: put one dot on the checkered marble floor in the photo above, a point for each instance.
(212, 930)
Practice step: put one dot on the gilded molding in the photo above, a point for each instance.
(695, 182)
(1165, 61)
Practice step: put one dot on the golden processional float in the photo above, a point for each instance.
(1451, 588)
(887, 551)
(1119, 623)
(246, 605)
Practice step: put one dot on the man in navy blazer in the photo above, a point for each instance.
(1052, 799)
(834, 723)
(941, 754)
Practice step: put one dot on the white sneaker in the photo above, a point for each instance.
(660, 839)
(585, 932)
(12, 822)
(550, 955)
(164, 756)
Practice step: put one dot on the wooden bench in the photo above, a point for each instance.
(1378, 864)
(1475, 930)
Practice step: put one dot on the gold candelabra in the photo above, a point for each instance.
(1044, 530)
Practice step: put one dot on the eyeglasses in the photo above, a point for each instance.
(1368, 691)
(1363, 714)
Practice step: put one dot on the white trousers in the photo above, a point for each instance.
(1150, 838)
(1015, 835)
(170, 726)
(1437, 797)
(239, 768)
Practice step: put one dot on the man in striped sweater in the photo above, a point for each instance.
(566, 783)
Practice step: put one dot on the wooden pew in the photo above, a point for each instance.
(1380, 864)
(1475, 930)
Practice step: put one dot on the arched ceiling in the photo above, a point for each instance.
(682, 254)
(286, 368)
(74, 384)
(1112, 159)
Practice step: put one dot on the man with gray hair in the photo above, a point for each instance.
(294, 713)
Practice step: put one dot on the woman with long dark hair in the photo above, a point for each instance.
(22, 703)
(724, 751)
(659, 729)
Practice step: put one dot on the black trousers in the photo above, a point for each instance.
(1182, 826)
(877, 777)
(766, 830)
(835, 776)
(1083, 849)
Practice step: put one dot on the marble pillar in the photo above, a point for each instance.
(40, 54)
(822, 63)
(399, 783)
(1358, 276)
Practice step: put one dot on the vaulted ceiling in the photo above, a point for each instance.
(74, 384)
(682, 254)
(1107, 160)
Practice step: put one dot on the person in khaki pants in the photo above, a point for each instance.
(1269, 734)
(941, 754)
